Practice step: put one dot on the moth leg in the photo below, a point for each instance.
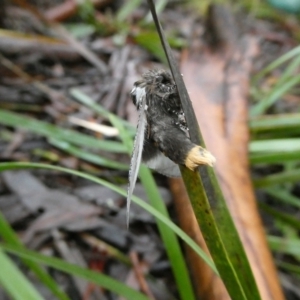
(174, 143)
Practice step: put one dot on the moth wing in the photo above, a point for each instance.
(163, 165)
(138, 147)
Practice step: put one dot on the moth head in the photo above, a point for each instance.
(157, 78)
(157, 82)
(163, 77)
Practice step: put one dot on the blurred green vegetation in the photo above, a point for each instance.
(275, 145)
(275, 141)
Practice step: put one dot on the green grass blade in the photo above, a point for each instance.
(274, 95)
(91, 276)
(14, 282)
(123, 133)
(289, 71)
(211, 234)
(275, 145)
(292, 268)
(275, 157)
(279, 178)
(8, 235)
(51, 131)
(275, 64)
(283, 245)
(274, 150)
(87, 156)
(169, 238)
(274, 122)
(150, 41)
(279, 215)
(87, 101)
(283, 195)
(127, 9)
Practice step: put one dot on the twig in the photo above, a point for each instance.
(139, 275)
(84, 51)
(12, 42)
(102, 246)
(61, 101)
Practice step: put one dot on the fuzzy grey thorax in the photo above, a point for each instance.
(161, 96)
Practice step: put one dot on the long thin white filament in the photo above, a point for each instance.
(138, 146)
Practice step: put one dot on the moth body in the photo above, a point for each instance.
(166, 132)
(162, 140)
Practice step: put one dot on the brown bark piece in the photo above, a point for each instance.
(217, 78)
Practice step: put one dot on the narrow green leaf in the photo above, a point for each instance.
(211, 234)
(87, 156)
(279, 178)
(127, 9)
(283, 245)
(283, 195)
(52, 131)
(289, 71)
(80, 30)
(275, 145)
(14, 282)
(273, 157)
(274, 122)
(10, 237)
(275, 64)
(279, 215)
(91, 276)
(274, 95)
(87, 101)
(170, 241)
(292, 268)
(150, 41)
(124, 134)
